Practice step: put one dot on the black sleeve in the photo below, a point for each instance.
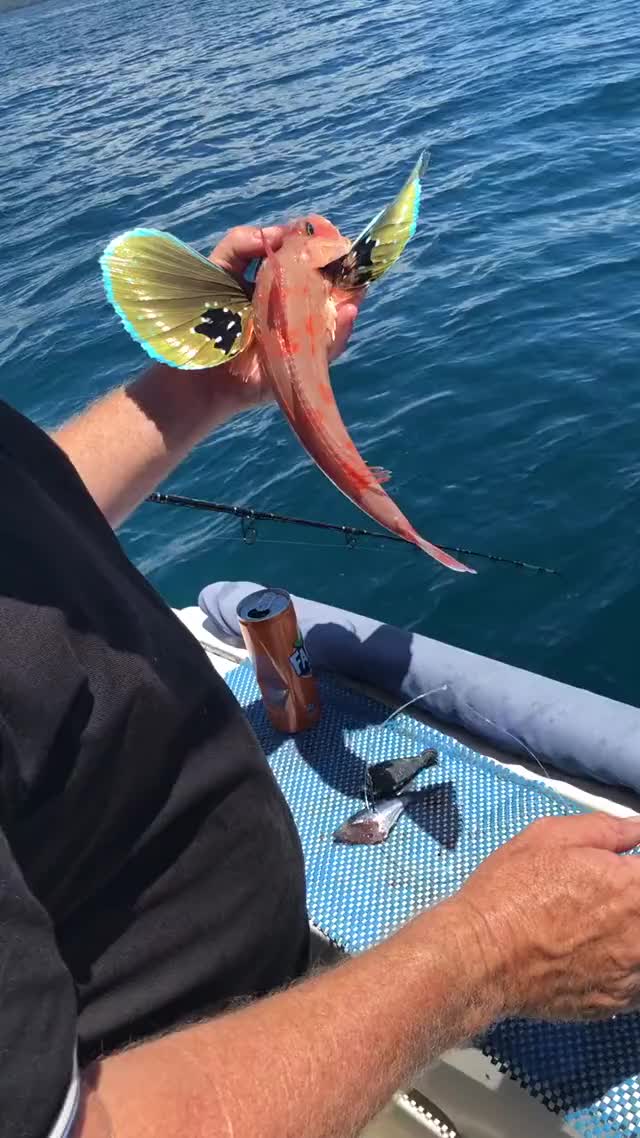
(37, 1015)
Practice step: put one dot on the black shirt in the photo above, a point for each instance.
(149, 867)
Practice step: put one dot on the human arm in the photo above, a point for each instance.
(316, 1060)
(322, 1057)
(127, 442)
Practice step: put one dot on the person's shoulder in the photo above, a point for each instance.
(20, 437)
(33, 461)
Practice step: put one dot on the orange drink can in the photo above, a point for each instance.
(274, 642)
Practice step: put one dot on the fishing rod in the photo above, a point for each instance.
(247, 514)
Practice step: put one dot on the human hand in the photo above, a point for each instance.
(557, 916)
(235, 252)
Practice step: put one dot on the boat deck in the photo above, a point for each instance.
(464, 1093)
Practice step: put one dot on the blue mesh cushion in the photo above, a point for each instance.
(359, 894)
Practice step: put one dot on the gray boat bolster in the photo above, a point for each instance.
(574, 730)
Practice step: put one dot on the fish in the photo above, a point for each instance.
(190, 313)
(387, 778)
(372, 825)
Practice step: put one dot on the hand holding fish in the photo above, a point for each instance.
(196, 313)
(235, 252)
(558, 917)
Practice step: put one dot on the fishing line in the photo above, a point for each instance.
(350, 533)
(516, 738)
(432, 691)
(285, 541)
(443, 687)
(470, 706)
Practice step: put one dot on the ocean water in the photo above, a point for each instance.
(495, 371)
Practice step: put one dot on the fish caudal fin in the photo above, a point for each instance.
(441, 556)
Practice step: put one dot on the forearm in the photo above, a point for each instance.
(319, 1059)
(127, 442)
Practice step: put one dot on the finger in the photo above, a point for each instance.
(354, 297)
(346, 312)
(346, 318)
(598, 830)
(240, 245)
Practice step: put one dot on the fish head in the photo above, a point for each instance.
(315, 240)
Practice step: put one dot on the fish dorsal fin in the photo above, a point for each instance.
(182, 309)
(383, 239)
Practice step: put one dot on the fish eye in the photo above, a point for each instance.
(309, 228)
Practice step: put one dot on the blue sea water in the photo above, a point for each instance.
(495, 371)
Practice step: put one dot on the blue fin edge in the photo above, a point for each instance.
(415, 176)
(418, 170)
(108, 287)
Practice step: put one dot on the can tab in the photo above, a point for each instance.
(258, 614)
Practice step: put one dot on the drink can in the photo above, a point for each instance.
(273, 639)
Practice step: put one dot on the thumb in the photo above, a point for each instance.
(598, 830)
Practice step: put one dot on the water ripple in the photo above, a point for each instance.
(494, 372)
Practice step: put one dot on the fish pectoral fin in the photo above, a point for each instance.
(380, 474)
(383, 239)
(182, 309)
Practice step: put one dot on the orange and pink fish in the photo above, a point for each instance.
(190, 313)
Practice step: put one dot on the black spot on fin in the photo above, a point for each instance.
(220, 325)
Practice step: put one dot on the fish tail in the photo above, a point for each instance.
(441, 556)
